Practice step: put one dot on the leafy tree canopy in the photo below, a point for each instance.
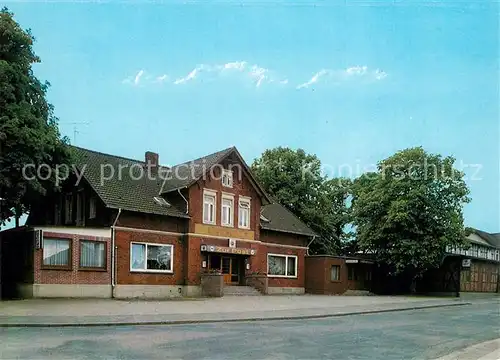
(410, 209)
(28, 127)
(294, 179)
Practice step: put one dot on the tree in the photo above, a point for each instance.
(294, 179)
(28, 127)
(408, 211)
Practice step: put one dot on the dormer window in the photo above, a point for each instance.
(227, 178)
(161, 201)
(263, 218)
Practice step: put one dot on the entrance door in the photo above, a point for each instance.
(231, 269)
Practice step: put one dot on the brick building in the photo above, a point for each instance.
(128, 228)
(335, 275)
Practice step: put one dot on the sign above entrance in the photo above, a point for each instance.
(227, 250)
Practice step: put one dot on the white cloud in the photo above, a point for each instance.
(259, 74)
(284, 82)
(236, 65)
(134, 80)
(189, 76)
(348, 74)
(380, 75)
(314, 79)
(357, 70)
(137, 78)
(162, 78)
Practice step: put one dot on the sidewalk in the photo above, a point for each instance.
(102, 312)
(489, 350)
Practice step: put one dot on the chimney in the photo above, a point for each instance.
(152, 161)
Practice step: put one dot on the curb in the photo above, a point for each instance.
(213, 321)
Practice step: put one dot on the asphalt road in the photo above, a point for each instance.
(421, 334)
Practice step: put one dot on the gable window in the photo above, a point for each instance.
(335, 273)
(281, 265)
(68, 213)
(92, 207)
(227, 178)
(145, 257)
(92, 254)
(227, 210)
(244, 213)
(209, 207)
(57, 253)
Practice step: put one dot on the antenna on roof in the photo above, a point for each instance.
(75, 128)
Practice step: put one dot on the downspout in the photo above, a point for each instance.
(113, 254)
(187, 203)
(307, 250)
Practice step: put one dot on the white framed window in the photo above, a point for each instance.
(92, 254)
(227, 210)
(335, 273)
(68, 207)
(57, 253)
(281, 265)
(209, 205)
(147, 257)
(92, 207)
(244, 213)
(227, 178)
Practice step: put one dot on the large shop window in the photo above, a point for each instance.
(92, 254)
(57, 253)
(282, 265)
(151, 257)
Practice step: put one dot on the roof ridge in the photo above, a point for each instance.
(114, 156)
(106, 154)
(205, 156)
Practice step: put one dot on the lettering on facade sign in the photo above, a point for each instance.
(227, 250)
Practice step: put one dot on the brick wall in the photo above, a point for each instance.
(123, 238)
(195, 257)
(241, 187)
(318, 275)
(299, 281)
(74, 274)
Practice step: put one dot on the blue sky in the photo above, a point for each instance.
(351, 82)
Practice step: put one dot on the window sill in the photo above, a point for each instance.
(282, 276)
(228, 225)
(170, 272)
(92, 269)
(57, 268)
(209, 223)
(244, 227)
(335, 281)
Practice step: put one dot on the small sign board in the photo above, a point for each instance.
(466, 263)
(351, 261)
(227, 250)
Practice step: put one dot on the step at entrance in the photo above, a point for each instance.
(240, 291)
